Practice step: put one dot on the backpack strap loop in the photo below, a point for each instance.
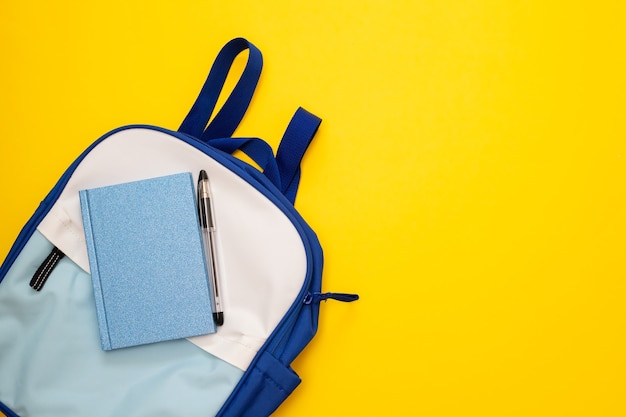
(230, 115)
(257, 149)
(293, 145)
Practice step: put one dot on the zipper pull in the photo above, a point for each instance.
(316, 297)
(45, 269)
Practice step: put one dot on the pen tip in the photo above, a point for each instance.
(203, 175)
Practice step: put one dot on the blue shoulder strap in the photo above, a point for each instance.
(230, 115)
(295, 141)
(284, 170)
(257, 149)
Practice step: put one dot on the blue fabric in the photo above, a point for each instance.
(255, 148)
(293, 146)
(7, 411)
(299, 333)
(269, 382)
(230, 115)
(285, 173)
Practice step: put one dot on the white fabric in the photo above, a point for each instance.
(261, 256)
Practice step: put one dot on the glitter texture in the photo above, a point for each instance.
(147, 263)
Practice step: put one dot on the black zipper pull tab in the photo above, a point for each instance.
(45, 269)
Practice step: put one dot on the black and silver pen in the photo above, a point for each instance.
(207, 225)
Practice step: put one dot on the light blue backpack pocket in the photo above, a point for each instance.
(50, 347)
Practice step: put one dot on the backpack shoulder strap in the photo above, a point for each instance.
(230, 115)
(285, 170)
(291, 150)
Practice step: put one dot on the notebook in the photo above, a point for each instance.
(147, 262)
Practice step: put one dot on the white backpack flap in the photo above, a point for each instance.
(262, 256)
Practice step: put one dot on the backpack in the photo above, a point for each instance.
(51, 361)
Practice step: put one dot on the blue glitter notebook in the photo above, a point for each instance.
(147, 262)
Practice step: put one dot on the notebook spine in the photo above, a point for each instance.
(105, 338)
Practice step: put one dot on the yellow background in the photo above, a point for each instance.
(468, 180)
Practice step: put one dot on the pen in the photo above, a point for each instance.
(207, 225)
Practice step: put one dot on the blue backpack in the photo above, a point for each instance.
(51, 361)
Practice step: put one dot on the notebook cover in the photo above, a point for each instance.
(147, 261)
